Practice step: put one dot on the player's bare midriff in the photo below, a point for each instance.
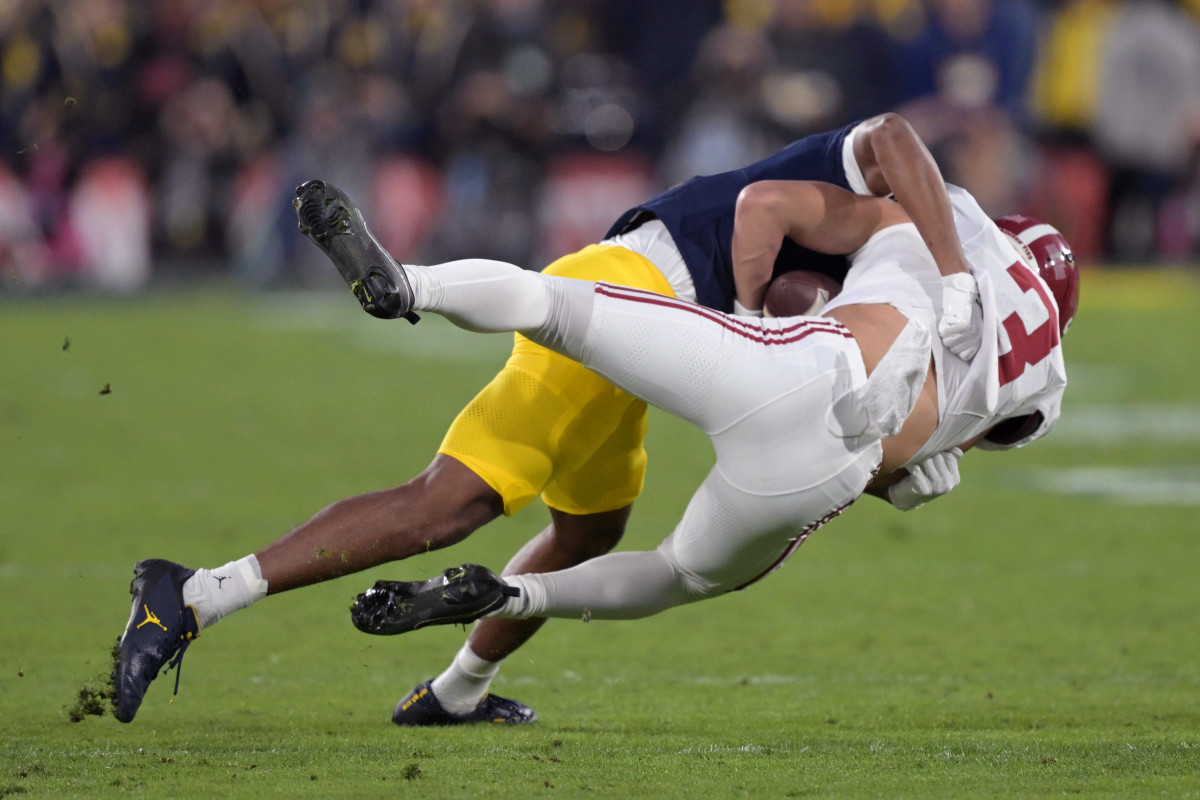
(875, 327)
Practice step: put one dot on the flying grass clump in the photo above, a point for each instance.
(96, 696)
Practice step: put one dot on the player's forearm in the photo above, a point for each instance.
(816, 215)
(758, 231)
(907, 170)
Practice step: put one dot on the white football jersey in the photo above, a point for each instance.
(1019, 369)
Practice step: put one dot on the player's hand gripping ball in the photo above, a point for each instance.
(799, 293)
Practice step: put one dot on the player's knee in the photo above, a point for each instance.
(692, 583)
(570, 312)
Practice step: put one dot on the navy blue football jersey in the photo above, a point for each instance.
(698, 213)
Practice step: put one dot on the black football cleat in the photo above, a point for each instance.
(457, 596)
(159, 630)
(421, 709)
(331, 220)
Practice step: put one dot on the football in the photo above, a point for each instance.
(799, 293)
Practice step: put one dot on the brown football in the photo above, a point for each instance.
(799, 293)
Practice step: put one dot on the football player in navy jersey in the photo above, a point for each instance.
(544, 425)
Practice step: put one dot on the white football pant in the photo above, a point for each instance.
(790, 456)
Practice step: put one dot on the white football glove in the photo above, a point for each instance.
(961, 327)
(933, 477)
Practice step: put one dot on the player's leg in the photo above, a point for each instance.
(172, 604)
(726, 538)
(439, 507)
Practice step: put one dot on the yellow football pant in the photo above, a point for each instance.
(547, 425)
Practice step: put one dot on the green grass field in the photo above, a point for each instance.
(1036, 633)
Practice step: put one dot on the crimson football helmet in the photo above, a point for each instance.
(1043, 246)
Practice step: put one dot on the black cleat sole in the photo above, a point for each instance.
(331, 221)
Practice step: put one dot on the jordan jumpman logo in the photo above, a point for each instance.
(151, 617)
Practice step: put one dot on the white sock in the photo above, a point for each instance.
(481, 295)
(215, 593)
(626, 585)
(465, 682)
(530, 601)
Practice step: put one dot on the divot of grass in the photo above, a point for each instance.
(92, 701)
(96, 697)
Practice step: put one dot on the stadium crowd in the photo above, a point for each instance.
(142, 139)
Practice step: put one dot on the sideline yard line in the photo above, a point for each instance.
(1142, 422)
(1148, 486)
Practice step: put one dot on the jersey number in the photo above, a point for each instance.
(1027, 348)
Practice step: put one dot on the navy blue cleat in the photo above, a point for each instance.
(333, 223)
(159, 630)
(421, 708)
(457, 596)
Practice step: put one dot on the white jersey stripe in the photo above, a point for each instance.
(1030, 235)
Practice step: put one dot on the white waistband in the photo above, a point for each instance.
(652, 240)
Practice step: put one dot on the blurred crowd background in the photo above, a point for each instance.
(144, 140)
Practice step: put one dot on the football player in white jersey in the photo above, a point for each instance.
(805, 413)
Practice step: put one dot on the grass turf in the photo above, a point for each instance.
(1032, 634)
